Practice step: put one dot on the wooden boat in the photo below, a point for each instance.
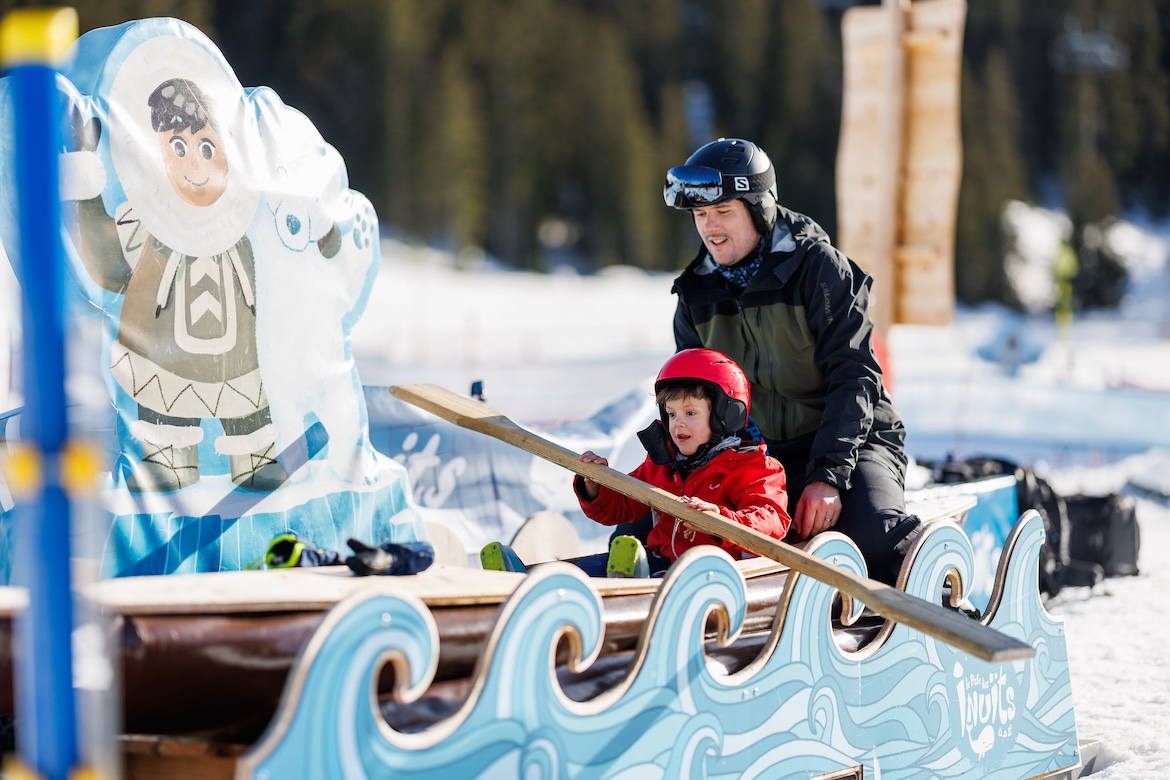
(220, 671)
(223, 643)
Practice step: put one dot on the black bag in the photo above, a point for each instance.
(1032, 492)
(1104, 530)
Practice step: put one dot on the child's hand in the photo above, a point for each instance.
(591, 487)
(702, 506)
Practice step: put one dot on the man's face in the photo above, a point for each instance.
(727, 231)
(195, 163)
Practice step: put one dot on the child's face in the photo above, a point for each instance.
(690, 423)
(196, 166)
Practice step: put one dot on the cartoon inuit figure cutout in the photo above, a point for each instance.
(186, 344)
(215, 230)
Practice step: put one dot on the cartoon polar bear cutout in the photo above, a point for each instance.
(234, 258)
(311, 358)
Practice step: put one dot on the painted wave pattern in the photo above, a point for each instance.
(911, 708)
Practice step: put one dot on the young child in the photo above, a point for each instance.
(700, 451)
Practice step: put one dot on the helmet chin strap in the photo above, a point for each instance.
(759, 213)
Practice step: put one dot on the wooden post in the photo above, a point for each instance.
(899, 161)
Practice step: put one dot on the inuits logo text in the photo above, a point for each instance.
(987, 708)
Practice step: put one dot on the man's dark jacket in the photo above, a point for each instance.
(801, 331)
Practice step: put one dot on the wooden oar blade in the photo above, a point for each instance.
(950, 626)
(935, 620)
(474, 415)
(440, 401)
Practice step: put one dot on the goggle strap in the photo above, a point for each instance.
(734, 183)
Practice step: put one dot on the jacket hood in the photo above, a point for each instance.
(804, 228)
(803, 233)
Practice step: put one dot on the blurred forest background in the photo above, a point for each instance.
(539, 131)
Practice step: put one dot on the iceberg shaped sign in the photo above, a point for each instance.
(215, 231)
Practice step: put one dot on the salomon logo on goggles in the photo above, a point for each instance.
(692, 186)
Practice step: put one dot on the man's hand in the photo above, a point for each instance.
(591, 487)
(818, 509)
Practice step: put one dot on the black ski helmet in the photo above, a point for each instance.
(726, 169)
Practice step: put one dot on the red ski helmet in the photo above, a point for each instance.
(714, 370)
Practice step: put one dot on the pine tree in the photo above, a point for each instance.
(802, 108)
(1136, 106)
(993, 174)
(495, 122)
(457, 204)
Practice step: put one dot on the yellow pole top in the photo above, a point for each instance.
(37, 36)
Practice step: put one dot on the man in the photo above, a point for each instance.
(769, 290)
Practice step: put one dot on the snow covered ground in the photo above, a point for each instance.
(1090, 410)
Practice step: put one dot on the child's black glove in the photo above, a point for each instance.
(390, 558)
(288, 550)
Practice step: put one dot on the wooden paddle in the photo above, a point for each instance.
(937, 621)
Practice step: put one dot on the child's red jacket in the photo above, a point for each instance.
(749, 487)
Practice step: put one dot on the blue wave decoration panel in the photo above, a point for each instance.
(903, 706)
(988, 525)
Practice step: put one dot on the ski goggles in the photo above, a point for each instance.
(692, 186)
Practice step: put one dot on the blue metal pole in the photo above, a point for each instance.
(32, 41)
